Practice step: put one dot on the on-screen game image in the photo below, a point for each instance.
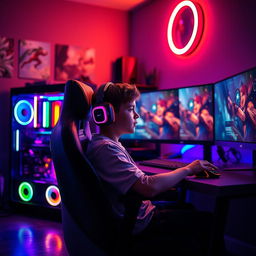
(235, 108)
(159, 116)
(196, 113)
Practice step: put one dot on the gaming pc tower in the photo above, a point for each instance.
(34, 112)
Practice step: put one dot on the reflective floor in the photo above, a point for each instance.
(26, 236)
(23, 235)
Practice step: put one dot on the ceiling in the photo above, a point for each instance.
(124, 5)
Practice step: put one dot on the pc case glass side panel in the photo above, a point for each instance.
(33, 117)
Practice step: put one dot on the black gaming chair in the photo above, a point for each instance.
(89, 224)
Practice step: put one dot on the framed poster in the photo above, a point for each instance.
(34, 60)
(73, 62)
(6, 56)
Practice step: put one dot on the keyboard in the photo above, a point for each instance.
(163, 163)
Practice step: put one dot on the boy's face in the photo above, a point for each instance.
(125, 119)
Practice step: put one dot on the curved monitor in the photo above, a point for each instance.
(235, 110)
(183, 115)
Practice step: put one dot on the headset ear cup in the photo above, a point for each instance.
(103, 114)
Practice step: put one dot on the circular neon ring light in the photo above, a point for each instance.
(186, 48)
(52, 195)
(25, 191)
(16, 112)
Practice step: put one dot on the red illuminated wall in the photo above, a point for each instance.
(59, 22)
(227, 46)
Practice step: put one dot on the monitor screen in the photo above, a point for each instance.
(159, 116)
(235, 112)
(196, 113)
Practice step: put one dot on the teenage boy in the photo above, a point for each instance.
(119, 174)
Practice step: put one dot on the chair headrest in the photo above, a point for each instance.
(77, 101)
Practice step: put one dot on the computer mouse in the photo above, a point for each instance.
(206, 174)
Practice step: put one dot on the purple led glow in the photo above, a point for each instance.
(37, 141)
(103, 109)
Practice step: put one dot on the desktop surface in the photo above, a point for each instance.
(231, 185)
(172, 165)
(164, 163)
(230, 182)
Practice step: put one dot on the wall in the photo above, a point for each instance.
(59, 22)
(227, 47)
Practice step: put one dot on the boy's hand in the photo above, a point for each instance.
(200, 165)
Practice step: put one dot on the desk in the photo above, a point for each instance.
(230, 185)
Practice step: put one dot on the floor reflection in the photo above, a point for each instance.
(20, 235)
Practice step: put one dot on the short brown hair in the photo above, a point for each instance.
(119, 93)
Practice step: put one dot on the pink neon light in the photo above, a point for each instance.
(38, 141)
(197, 29)
(35, 112)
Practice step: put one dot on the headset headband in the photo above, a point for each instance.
(103, 112)
(100, 94)
(107, 85)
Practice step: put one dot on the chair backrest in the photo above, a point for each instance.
(85, 208)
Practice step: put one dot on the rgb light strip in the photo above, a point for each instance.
(55, 112)
(25, 191)
(52, 195)
(17, 140)
(35, 111)
(46, 116)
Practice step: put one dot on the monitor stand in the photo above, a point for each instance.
(207, 150)
(143, 151)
